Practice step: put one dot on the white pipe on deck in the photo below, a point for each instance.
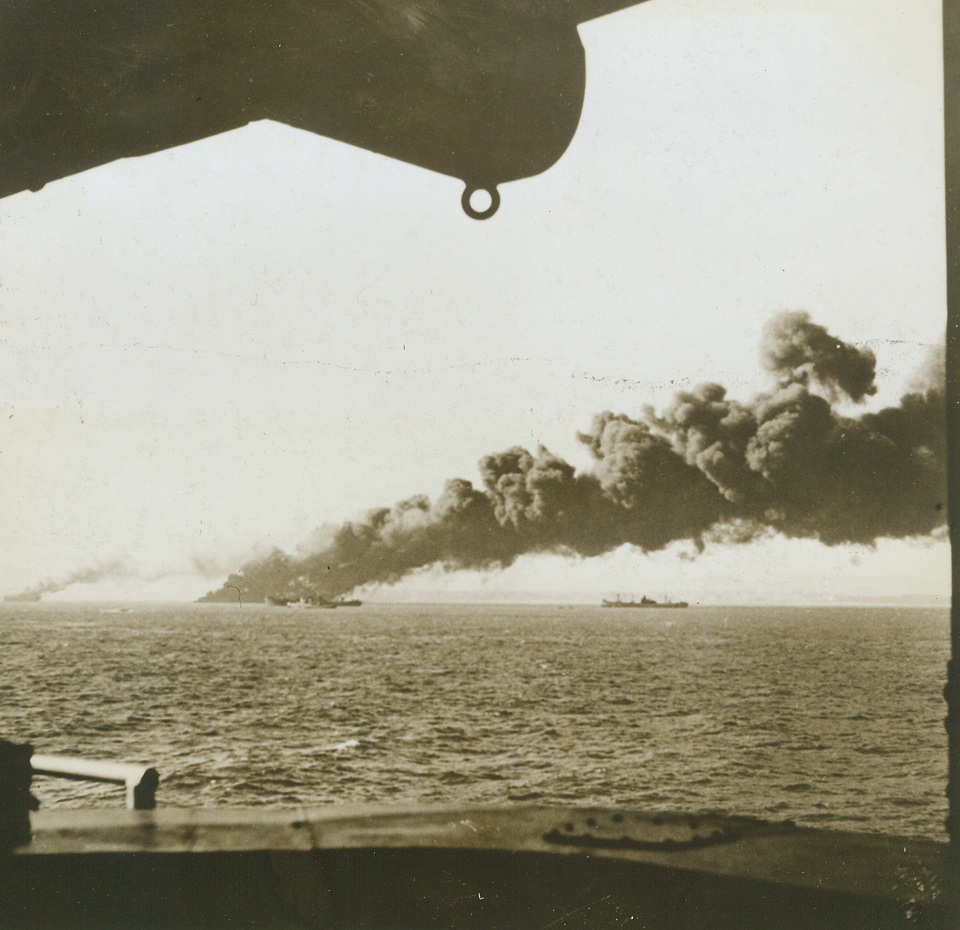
(140, 780)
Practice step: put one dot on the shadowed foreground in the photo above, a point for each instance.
(361, 867)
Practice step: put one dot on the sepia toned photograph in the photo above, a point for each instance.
(479, 464)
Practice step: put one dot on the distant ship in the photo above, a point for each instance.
(302, 603)
(643, 602)
(314, 602)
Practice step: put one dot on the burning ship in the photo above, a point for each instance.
(310, 601)
(303, 602)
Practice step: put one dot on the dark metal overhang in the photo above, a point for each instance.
(487, 91)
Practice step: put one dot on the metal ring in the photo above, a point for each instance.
(469, 191)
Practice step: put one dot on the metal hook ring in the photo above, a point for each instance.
(468, 208)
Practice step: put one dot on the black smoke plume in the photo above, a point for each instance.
(706, 468)
(89, 575)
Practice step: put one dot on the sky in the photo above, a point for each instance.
(209, 352)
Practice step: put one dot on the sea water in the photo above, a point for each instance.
(826, 716)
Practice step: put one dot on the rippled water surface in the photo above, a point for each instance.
(830, 717)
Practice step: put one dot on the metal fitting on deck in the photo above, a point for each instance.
(16, 802)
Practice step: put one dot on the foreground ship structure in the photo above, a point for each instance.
(456, 867)
(487, 92)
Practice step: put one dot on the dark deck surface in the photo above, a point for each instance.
(460, 867)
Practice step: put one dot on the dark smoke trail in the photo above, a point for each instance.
(87, 575)
(706, 468)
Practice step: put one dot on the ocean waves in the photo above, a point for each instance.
(824, 716)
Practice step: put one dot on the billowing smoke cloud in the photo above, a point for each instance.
(708, 468)
(799, 351)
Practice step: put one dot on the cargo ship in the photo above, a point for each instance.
(643, 602)
(301, 603)
(316, 602)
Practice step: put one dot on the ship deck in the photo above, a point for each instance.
(480, 867)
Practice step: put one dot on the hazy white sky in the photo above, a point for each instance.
(212, 350)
